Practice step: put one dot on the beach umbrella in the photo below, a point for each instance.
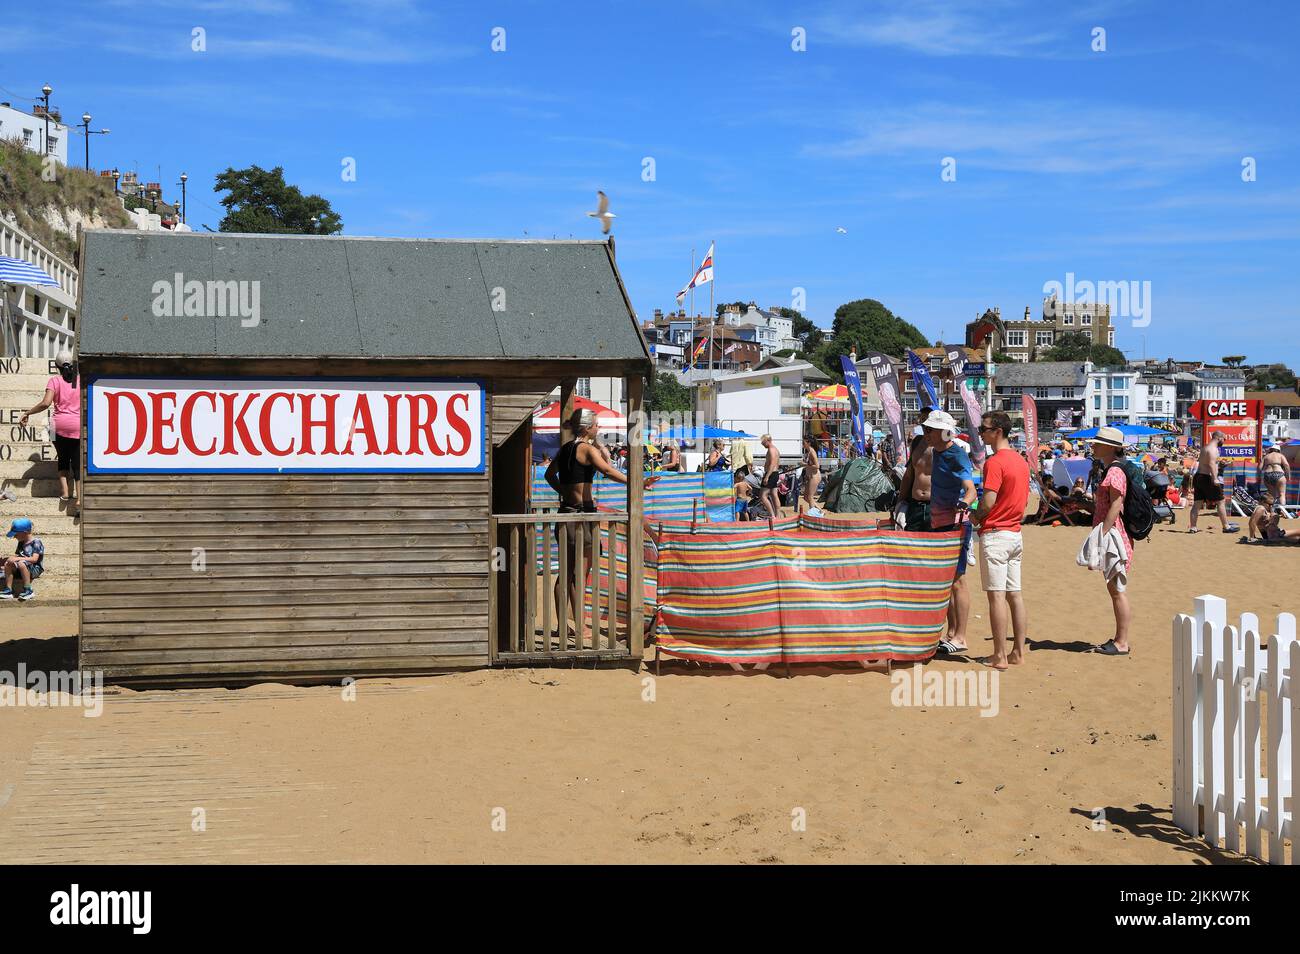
(16, 271)
(831, 392)
(547, 419)
(704, 433)
(1128, 430)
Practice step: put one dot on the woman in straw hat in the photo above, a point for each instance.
(1108, 448)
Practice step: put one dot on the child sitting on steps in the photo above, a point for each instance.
(26, 564)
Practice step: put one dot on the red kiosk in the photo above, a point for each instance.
(1242, 424)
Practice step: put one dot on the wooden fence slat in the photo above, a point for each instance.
(516, 634)
(528, 569)
(1230, 643)
(562, 625)
(611, 589)
(548, 584)
(1275, 676)
(580, 584)
(1250, 732)
(1294, 727)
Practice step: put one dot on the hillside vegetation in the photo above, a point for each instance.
(49, 211)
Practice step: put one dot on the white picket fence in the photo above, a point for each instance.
(1227, 774)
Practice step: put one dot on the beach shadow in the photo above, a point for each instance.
(1073, 646)
(1147, 821)
(47, 654)
(684, 667)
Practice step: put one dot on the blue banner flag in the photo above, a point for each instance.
(924, 386)
(854, 384)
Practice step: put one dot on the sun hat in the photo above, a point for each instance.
(940, 420)
(1110, 436)
(21, 525)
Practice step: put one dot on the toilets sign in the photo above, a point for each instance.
(185, 426)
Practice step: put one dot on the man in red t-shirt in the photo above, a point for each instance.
(1006, 492)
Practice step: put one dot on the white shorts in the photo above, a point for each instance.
(1000, 552)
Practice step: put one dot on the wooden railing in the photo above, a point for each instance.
(537, 615)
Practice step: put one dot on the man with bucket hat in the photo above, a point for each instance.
(952, 492)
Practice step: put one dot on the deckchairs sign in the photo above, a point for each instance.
(187, 426)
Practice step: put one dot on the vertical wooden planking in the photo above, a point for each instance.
(1182, 763)
(1276, 662)
(494, 607)
(548, 584)
(562, 611)
(611, 595)
(1293, 729)
(580, 584)
(636, 514)
(528, 570)
(1250, 732)
(516, 631)
(593, 531)
(1212, 720)
(1230, 644)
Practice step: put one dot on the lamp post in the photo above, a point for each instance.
(45, 92)
(184, 178)
(117, 175)
(85, 123)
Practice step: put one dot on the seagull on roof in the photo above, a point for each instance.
(602, 212)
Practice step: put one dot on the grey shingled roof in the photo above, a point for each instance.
(1040, 374)
(361, 297)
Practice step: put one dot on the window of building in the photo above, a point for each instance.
(1119, 402)
(1068, 319)
(1096, 384)
(1087, 332)
(27, 137)
(1014, 391)
(1119, 383)
(789, 399)
(1096, 402)
(1111, 337)
(1067, 392)
(911, 404)
(1086, 319)
(583, 388)
(1011, 404)
(1042, 393)
(909, 385)
(1016, 339)
(1043, 338)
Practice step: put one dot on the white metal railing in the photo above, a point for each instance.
(1236, 720)
(37, 321)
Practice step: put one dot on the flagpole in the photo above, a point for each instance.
(692, 291)
(713, 315)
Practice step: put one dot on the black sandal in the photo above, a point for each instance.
(1108, 648)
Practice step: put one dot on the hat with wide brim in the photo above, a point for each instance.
(1110, 436)
(940, 421)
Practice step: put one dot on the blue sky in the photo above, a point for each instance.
(1122, 165)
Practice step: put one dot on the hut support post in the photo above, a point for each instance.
(635, 519)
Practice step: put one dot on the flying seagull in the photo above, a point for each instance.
(602, 212)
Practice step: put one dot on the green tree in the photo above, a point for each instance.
(1262, 377)
(1234, 360)
(867, 325)
(260, 200)
(1078, 346)
(666, 395)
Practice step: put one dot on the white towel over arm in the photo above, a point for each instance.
(1107, 554)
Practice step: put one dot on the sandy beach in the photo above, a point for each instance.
(577, 767)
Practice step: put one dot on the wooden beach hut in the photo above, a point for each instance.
(309, 457)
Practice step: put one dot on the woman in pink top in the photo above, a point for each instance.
(1108, 510)
(63, 393)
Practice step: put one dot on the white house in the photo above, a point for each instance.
(1111, 397)
(29, 129)
(1154, 399)
(758, 402)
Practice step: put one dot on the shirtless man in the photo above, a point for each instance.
(771, 477)
(915, 488)
(1207, 485)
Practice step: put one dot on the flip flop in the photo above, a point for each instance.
(948, 648)
(1232, 528)
(1108, 648)
(1193, 529)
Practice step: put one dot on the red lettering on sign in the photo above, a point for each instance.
(391, 400)
(114, 422)
(235, 423)
(418, 424)
(264, 423)
(367, 426)
(327, 424)
(156, 399)
(187, 423)
(458, 422)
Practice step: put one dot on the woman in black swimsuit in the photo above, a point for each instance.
(570, 475)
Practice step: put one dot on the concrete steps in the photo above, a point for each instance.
(29, 471)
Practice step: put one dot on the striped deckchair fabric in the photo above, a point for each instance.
(671, 497)
(719, 496)
(813, 595)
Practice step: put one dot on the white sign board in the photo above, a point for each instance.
(285, 426)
